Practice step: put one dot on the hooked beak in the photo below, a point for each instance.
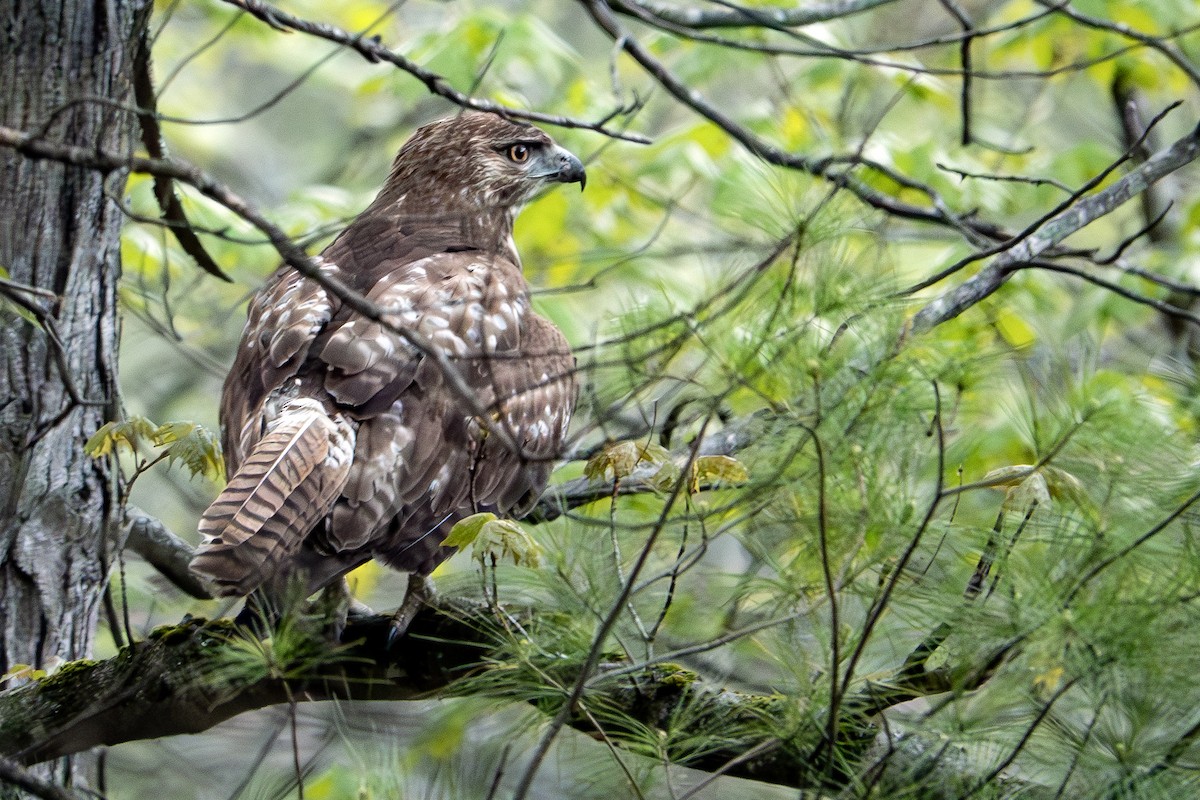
(562, 166)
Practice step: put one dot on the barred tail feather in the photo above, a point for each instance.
(289, 482)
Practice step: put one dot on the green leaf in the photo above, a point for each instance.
(1027, 484)
(198, 448)
(723, 469)
(23, 673)
(504, 537)
(16, 308)
(622, 458)
(466, 529)
(113, 436)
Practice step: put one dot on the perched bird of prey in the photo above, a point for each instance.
(348, 437)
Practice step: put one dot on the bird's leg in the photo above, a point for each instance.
(418, 594)
(259, 615)
(332, 607)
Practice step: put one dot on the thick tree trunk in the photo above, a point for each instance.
(60, 234)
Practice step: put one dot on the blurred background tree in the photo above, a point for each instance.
(887, 337)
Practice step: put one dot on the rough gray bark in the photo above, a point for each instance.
(59, 235)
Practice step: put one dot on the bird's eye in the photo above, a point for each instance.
(518, 153)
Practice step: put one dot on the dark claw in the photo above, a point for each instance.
(416, 596)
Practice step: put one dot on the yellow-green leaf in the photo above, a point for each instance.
(622, 458)
(723, 469)
(1008, 476)
(23, 673)
(114, 435)
(197, 447)
(504, 537)
(466, 529)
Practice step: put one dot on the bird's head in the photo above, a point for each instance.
(478, 161)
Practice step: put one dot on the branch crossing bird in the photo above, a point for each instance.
(347, 441)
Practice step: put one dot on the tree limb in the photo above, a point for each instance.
(189, 677)
(1055, 230)
(162, 549)
(178, 681)
(11, 773)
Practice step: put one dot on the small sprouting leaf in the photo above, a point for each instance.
(17, 308)
(1046, 683)
(503, 537)
(1065, 486)
(466, 529)
(666, 477)
(723, 469)
(198, 448)
(114, 435)
(1008, 476)
(1029, 492)
(101, 442)
(23, 673)
(1027, 484)
(622, 458)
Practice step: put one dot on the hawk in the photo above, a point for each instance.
(349, 438)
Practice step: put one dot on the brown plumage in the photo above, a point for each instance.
(343, 441)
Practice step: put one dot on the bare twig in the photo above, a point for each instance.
(164, 190)
(1154, 42)
(29, 299)
(738, 16)
(11, 773)
(968, 69)
(1158, 305)
(606, 625)
(373, 50)
(1055, 230)
(938, 213)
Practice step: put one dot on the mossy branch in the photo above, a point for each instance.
(189, 677)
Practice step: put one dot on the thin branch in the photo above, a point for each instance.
(1055, 230)
(12, 773)
(968, 70)
(27, 298)
(938, 214)
(740, 17)
(1064, 205)
(992, 176)
(374, 51)
(1154, 42)
(1088, 576)
(867, 56)
(1158, 305)
(606, 625)
(164, 189)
